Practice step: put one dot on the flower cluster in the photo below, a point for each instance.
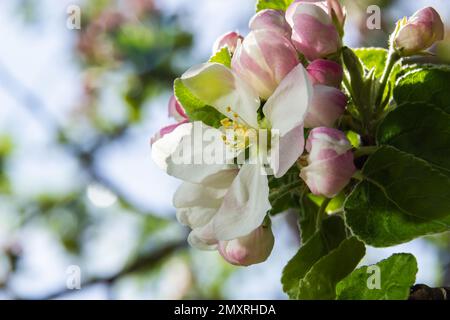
(283, 83)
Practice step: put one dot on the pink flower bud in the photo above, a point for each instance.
(176, 110)
(271, 20)
(263, 59)
(327, 105)
(330, 162)
(229, 40)
(335, 9)
(325, 72)
(313, 32)
(420, 32)
(251, 249)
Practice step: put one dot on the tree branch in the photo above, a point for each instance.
(141, 263)
(424, 292)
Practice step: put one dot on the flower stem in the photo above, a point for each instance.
(365, 151)
(321, 214)
(282, 191)
(358, 175)
(392, 59)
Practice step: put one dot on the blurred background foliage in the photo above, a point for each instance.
(77, 186)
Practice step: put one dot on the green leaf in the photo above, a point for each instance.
(328, 238)
(285, 191)
(396, 276)
(222, 56)
(321, 280)
(309, 208)
(409, 191)
(410, 182)
(195, 109)
(273, 4)
(421, 130)
(307, 216)
(376, 58)
(429, 84)
(373, 58)
(355, 69)
(380, 223)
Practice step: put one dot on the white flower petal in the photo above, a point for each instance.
(288, 149)
(195, 217)
(287, 107)
(196, 195)
(163, 148)
(200, 166)
(221, 179)
(201, 238)
(209, 195)
(245, 204)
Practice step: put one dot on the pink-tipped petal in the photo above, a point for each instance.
(272, 20)
(166, 130)
(175, 109)
(326, 72)
(263, 60)
(327, 105)
(229, 40)
(313, 32)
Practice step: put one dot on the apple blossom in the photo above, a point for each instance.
(229, 40)
(325, 72)
(327, 105)
(330, 162)
(224, 89)
(419, 32)
(313, 32)
(251, 249)
(263, 60)
(240, 205)
(273, 20)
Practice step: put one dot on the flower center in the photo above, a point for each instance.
(236, 135)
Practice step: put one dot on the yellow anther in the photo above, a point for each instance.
(239, 136)
(226, 123)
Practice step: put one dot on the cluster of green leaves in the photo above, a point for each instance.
(404, 193)
(312, 272)
(323, 268)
